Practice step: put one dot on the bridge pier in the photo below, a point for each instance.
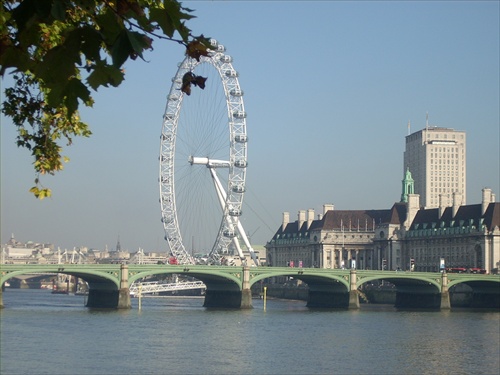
(445, 294)
(246, 293)
(124, 292)
(1, 298)
(353, 291)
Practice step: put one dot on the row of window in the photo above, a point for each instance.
(441, 161)
(445, 152)
(443, 185)
(445, 168)
(444, 173)
(443, 231)
(443, 179)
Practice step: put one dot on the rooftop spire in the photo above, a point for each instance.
(408, 186)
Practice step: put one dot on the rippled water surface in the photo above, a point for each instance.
(42, 333)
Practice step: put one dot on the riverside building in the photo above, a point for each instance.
(404, 237)
(436, 158)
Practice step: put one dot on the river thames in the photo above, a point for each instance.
(44, 333)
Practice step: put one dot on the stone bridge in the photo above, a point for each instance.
(230, 287)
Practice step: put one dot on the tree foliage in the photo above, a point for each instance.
(58, 51)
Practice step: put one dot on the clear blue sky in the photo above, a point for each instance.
(329, 89)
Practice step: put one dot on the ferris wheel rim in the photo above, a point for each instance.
(237, 144)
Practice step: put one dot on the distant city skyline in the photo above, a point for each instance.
(329, 90)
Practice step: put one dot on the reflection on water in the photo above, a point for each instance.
(43, 333)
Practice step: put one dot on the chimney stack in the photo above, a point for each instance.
(457, 202)
(487, 199)
(286, 220)
(443, 203)
(310, 217)
(327, 207)
(301, 218)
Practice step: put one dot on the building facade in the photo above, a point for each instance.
(466, 237)
(404, 237)
(436, 158)
(338, 239)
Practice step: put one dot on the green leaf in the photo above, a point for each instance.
(162, 18)
(55, 96)
(57, 66)
(104, 75)
(73, 91)
(13, 57)
(109, 26)
(137, 42)
(91, 40)
(121, 49)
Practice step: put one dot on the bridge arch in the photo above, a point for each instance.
(224, 284)
(90, 276)
(209, 277)
(484, 292)
(426, 282)
(477, 281)
(303, 276)
(325, 289)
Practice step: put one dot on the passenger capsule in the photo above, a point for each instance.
(234, 212)
(240, 138)
(226, 59)
(238, 188)
(239, 114)
(229, 233)
(236, 92)
(231, 73)
(221, 48)
(240, 163)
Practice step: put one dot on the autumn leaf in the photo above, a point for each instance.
(200, 81)
(191, 79)
(196, 49)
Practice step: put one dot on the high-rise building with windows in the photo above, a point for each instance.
(436, 157)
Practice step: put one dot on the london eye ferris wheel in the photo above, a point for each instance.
(203, 162)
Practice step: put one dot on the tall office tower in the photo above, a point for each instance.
(436, 159)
